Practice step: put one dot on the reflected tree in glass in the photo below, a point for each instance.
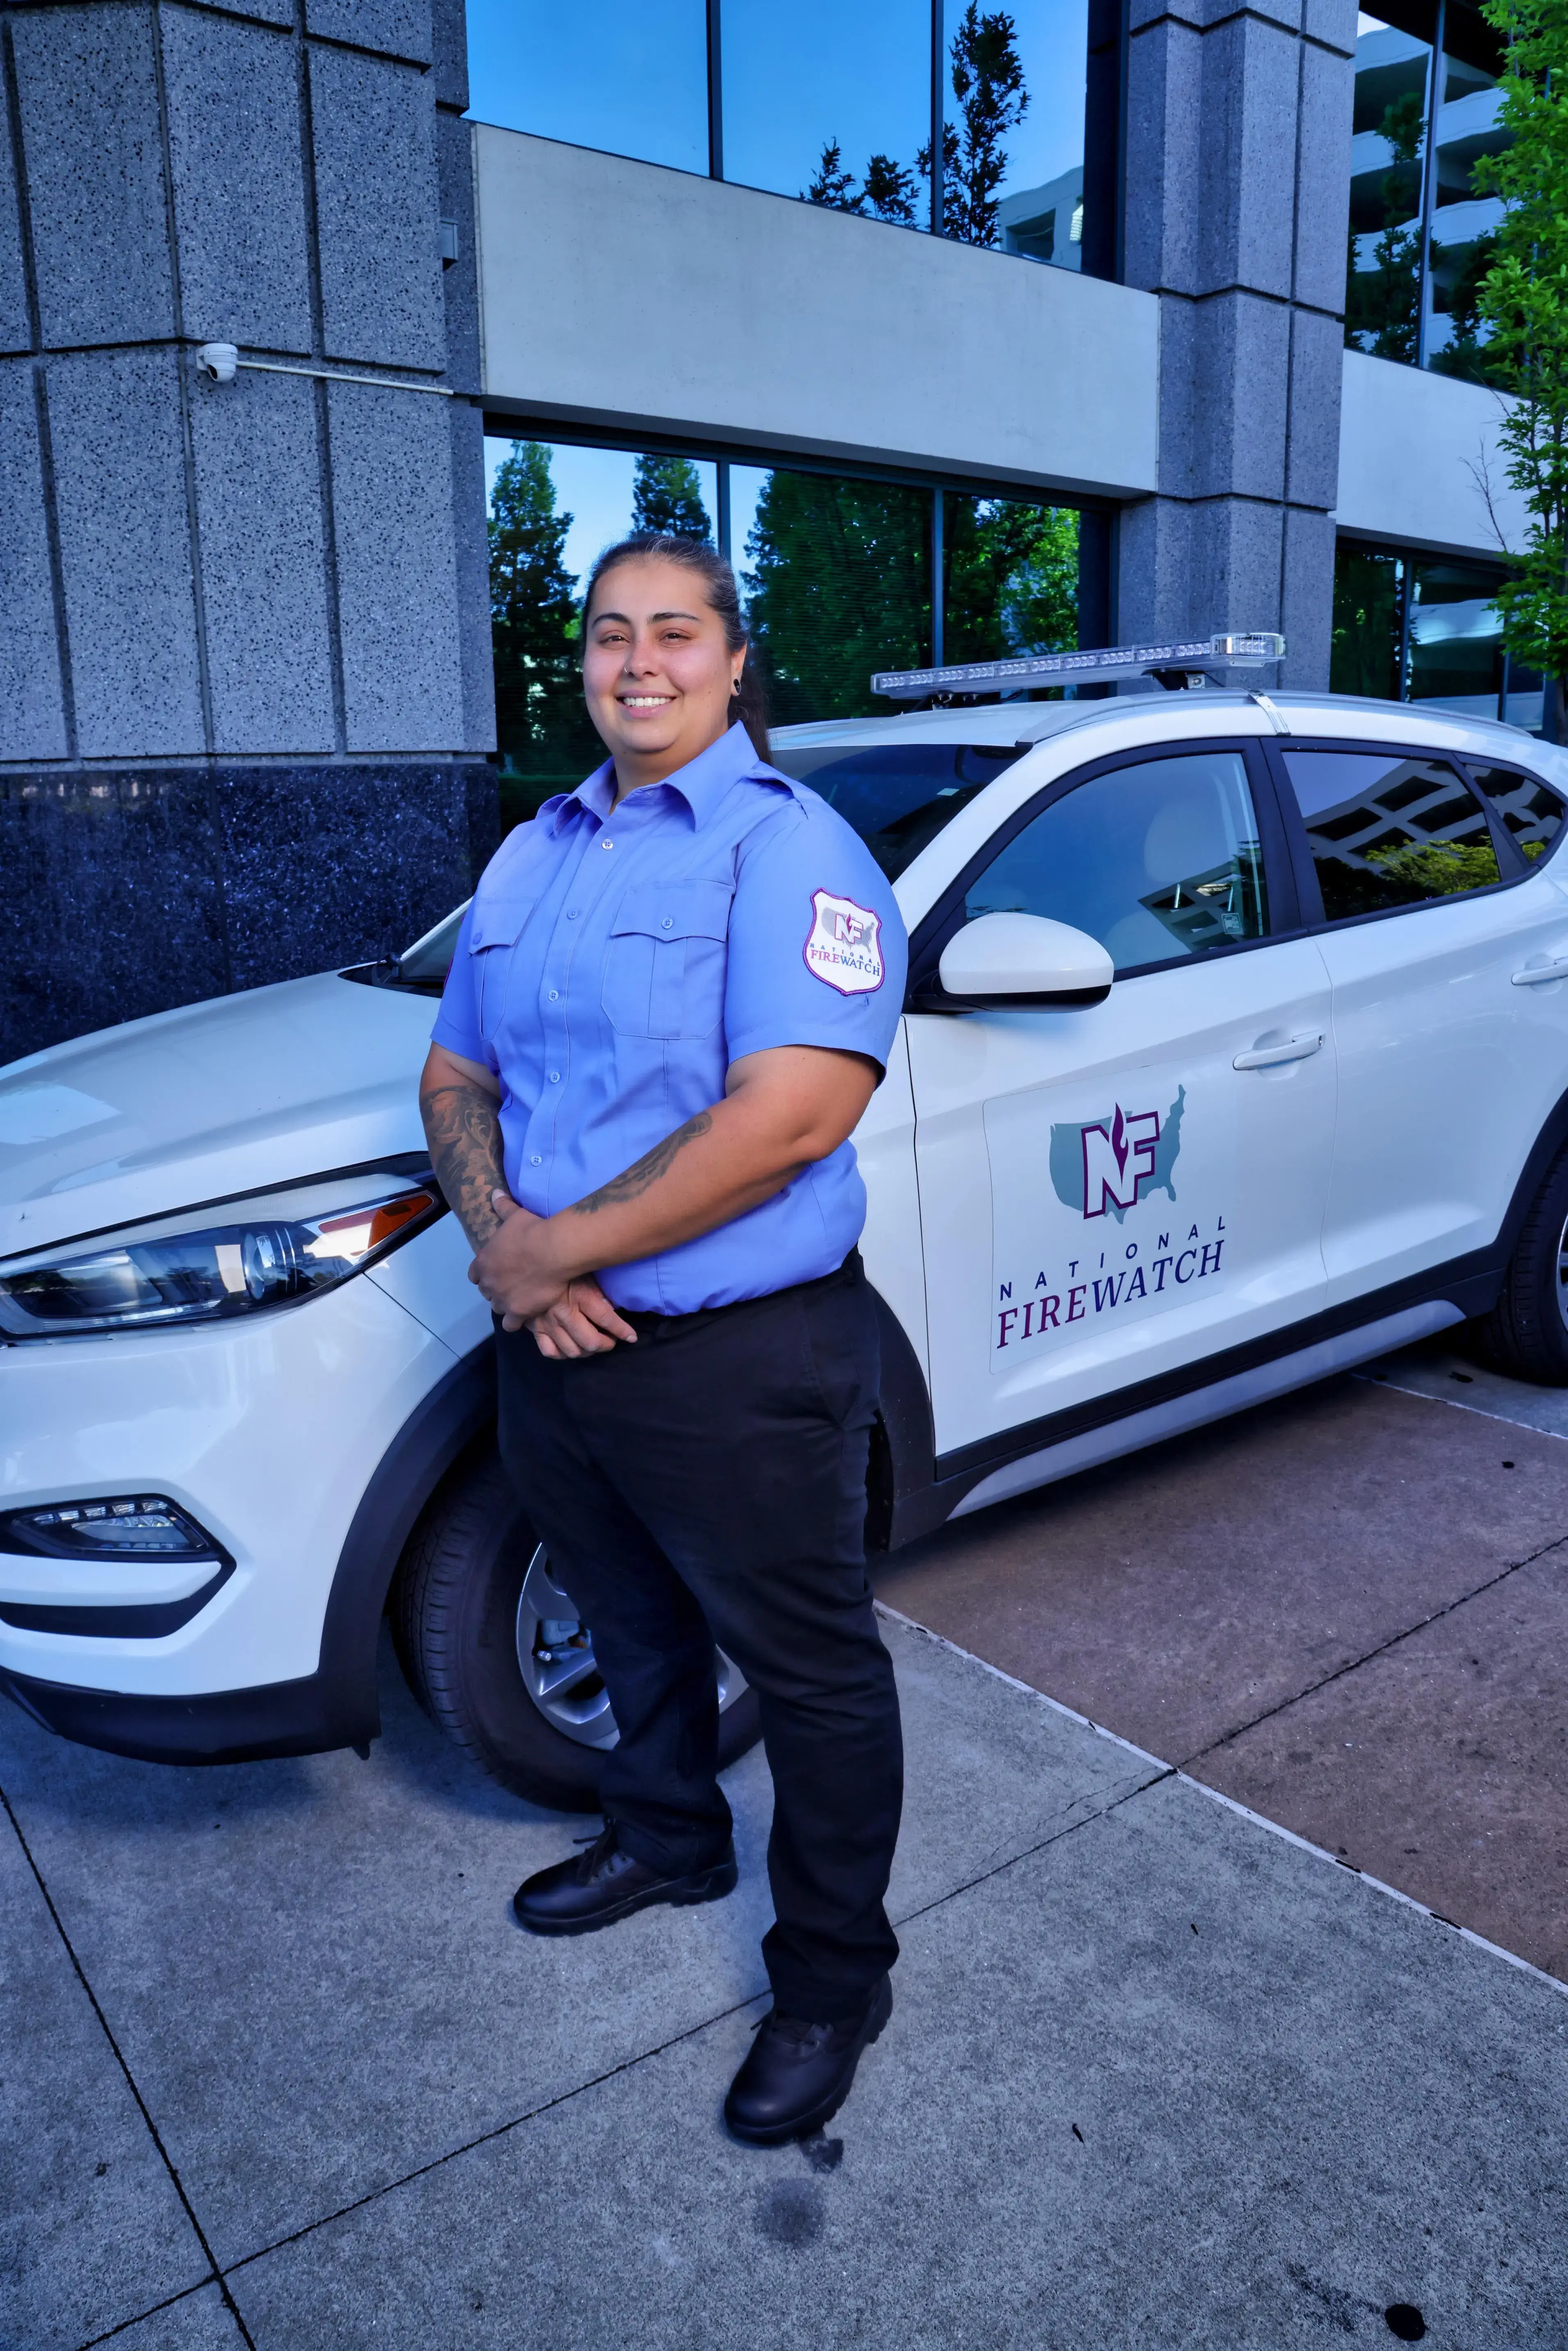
(541, 726)
(667, 497)
(1010, 579)
(1364, 656)
(1383, 295)
(838, 588)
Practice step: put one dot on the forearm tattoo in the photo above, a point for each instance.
(633, 1181)
(463, 1125)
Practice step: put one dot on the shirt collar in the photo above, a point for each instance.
(702, 783)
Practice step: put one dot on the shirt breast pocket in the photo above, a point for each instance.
(664, 966)
(497, 927)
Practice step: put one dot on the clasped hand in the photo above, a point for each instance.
(568, 1315)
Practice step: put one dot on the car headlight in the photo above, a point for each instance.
(210, 1265)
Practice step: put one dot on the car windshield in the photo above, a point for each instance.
(897, 796)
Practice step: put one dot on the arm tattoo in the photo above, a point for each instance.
(463, 1126)
(633, 1181)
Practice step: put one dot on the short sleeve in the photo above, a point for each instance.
(817, 947)
(457, 1022)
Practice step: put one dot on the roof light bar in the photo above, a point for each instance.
(1247, 651)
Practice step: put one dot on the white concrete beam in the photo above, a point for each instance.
(614, 292)
(1417, 455)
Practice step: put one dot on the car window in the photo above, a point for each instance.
(1155, 859)
(898, 796)
(1531, 811)
(1388, 832)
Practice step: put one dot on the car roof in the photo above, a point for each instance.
(1301, 713)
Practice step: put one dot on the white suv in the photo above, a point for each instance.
(1235, 1052)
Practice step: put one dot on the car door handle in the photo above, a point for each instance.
(1264, 1057)
(1536, 975)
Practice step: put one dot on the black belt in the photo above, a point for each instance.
(648, 1325)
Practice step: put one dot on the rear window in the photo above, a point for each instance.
(1532, 813)
(898, 796)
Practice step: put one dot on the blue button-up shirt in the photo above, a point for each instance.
(615, 961)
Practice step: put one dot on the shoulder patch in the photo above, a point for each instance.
(843, 945)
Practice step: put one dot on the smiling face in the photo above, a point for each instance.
(658, 678)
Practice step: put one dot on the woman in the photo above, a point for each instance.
(671, 1002)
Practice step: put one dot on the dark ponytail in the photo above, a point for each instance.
(750, 704)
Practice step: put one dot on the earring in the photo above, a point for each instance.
(735, 685)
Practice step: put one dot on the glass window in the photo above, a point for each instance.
(1009, 578)
(1423, 629)
(1466, 214)
(1021, 188)
(1532, 814)
(837, 576)
(1387, 831)
(621, 77)
(1157, 861)
(1388, 148)
(898, 796)
(828, 102)
(1368, 621)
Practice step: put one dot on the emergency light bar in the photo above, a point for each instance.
(1193, 654)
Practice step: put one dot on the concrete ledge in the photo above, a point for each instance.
(1414, 450)
(724, 314)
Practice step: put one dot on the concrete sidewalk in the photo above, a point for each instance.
(278, 2069)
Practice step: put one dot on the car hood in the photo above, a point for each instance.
(239, 1094)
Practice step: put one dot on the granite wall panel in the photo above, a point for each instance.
(1322, 190)
(1246, 175)
(397, 569)
(264, 564)
(1234, 556)
(1333, 23)
(1306, 603)
(235, 144)
(396, 28)
(1164, 84)
(32, 707)
(449, 46)
(125, 552)
(368, 860)
(88, 95)
(112, 906)
(15, 330)
(459, 278)
(473, 563)
(1242, 394)
(1317, 375)
(378, 210)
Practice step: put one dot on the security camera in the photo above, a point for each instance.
(217, 361)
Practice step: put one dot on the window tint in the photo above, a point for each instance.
(1387, 831)
(1155, 861)
(1532, 813)
(898, 796)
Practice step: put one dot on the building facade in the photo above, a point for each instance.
(968, 333)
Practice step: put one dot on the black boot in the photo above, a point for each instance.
(603, 1883)
(797, 2074)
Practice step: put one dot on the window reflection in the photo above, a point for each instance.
(1423, 629)
(544, 69)
(1385, 831)
(828, 102)
(1422, 222)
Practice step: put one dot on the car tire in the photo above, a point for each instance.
(1526, 1333)
(461, 1591)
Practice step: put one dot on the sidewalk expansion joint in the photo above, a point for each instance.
(1163, 1771)
(215, 2275)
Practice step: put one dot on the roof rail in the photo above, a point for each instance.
(1190, 660)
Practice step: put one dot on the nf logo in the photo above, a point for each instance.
(1106, 1165)
(844, 946)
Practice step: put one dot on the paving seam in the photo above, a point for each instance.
(1258, 1820)
(1462, 1404)
(126, 2323)
(214, 2274)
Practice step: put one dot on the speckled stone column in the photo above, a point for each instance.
(245, 679)
(1238, 190)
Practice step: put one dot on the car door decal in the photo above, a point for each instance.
(1090, 1232)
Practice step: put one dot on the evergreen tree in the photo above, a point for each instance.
(833, 187)
(988, 84)
(1524, 299)
(838, 589)
(539, 716)
(889, 191)
(667, 497)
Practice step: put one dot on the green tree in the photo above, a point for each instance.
(540, 724)
(988, 84)
(889, 191)
(667, 497)
(838, 588)
(1524, 299)
(1011, 583)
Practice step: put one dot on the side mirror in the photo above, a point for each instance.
(1003, 961)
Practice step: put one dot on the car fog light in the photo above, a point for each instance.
(127, 1526)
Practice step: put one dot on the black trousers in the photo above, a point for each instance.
(709, 1484)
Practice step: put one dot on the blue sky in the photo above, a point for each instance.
(797, 72)
(594, 487)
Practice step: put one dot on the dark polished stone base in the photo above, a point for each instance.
(127, 891)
